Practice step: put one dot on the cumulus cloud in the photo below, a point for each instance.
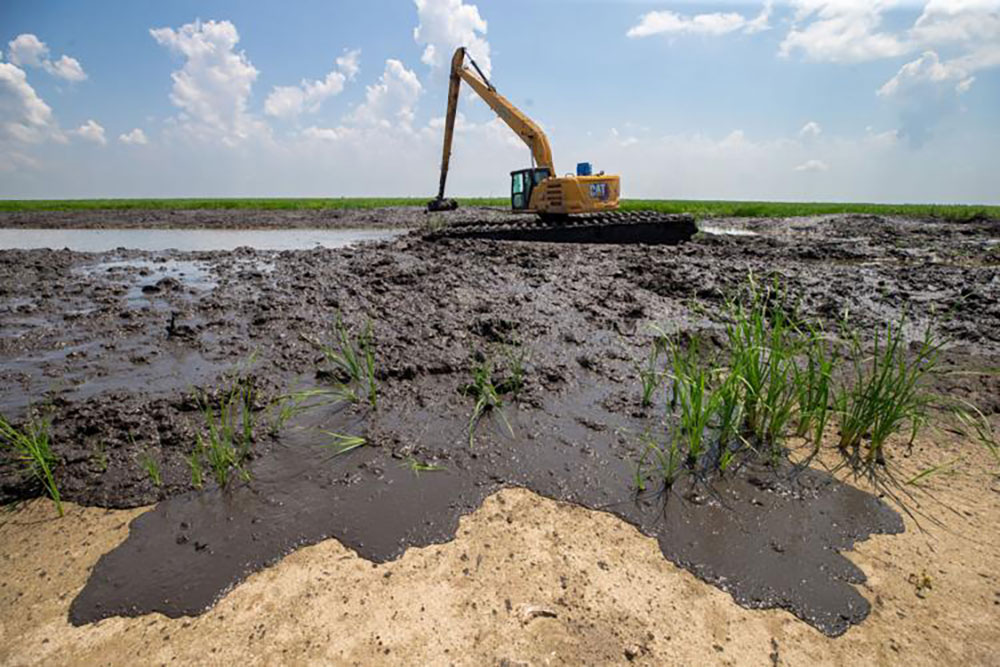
(26, 49)
(390, 103)
(841, 31)
(213, 86)
(91, 131)
(136, 137)
(290, 101)
(810, 129)
(24, 116)
(928, 68)
(958, 21)
(66, 68)
(812, 166)
(444, 25)
(716, 23)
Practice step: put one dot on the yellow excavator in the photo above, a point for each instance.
(535, 190)
(581, 207)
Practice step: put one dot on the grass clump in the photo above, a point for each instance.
(152, 468)
(223, 446)
(488, 397)
(352, 359)
(779, 375)
(489, 384)
(887, 392)
(31, 445)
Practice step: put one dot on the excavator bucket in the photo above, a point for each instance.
(441, 204)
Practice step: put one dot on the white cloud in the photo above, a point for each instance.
(135, 137)
(91, 131)
(65, 68)
(350, 63)
(321, 133)
(927, 69)
(841, 31)
(290, 101)
(761, 22)
(958, 21)
(213, 85)
(24, 116)
(813, 166)
(810, 129)
(26, 49)
(390, 103)
(716, 23)
(445, 25)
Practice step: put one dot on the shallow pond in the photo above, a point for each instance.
(102, 240)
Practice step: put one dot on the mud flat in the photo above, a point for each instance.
(117, 341)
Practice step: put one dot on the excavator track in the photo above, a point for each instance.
(613, 227)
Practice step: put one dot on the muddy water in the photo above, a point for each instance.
(187, 240)
(770, 537)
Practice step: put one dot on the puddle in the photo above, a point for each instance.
(769, 537)
(149, 278)
(188, 240)
(725, 231)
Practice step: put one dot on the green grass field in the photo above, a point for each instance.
(699, 208)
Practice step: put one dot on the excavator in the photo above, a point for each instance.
(581, 207)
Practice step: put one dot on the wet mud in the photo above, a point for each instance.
(117, 353)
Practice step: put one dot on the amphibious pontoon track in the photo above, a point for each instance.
(618, 227)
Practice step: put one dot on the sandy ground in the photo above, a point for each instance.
(527, 581)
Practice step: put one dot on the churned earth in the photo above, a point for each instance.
(116, 346)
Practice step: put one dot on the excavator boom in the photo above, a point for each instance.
(524, 127)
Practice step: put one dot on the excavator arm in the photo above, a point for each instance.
(524, 127)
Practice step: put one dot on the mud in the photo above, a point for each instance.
(118, 363)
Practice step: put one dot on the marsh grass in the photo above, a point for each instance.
(693, 400)
(977, 425)
(814, 385)
(516, 358)
(223, 445)
(342, 443)
(152, 468)
(661, 460)
(31, 445)
(763, 343)
(489, 384)
(417, 467)
(290, 405)
(780, 375)
(700, 208)
(487, 395)
(197, 472)
(887, 391)
(934, 470)
(650, 375)
(351, 356)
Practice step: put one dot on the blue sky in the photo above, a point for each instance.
(804, 100)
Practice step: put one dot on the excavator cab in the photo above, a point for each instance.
(522, 184)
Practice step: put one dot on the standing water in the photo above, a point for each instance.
(188, 240)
